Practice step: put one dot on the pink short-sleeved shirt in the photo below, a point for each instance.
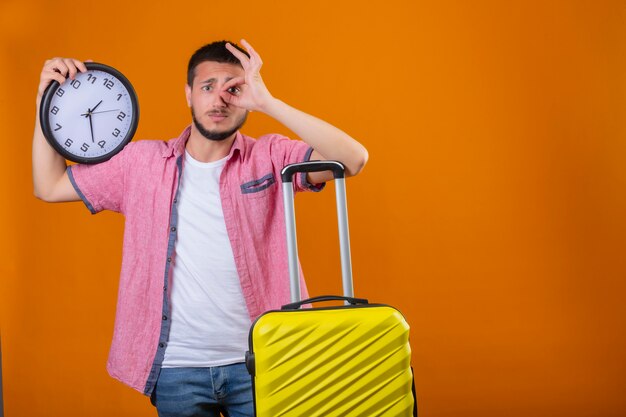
(141, 182)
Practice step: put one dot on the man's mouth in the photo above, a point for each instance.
(217, 116)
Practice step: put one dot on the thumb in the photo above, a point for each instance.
(230, 98)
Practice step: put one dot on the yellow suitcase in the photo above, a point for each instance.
(349, 360)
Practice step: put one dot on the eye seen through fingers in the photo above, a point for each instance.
(234, 90)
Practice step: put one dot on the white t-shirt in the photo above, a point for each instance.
(210, 321)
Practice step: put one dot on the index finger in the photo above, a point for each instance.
(81, 65)
(73, 66)
(254, 55)
(239, 55)
(233, 81)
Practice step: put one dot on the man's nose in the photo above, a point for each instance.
(217, 101)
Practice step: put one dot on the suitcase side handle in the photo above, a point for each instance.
(321, 298)
(338, 170)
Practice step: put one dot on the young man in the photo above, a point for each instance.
(204, 248)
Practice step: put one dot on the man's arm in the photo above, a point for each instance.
(50, 180)
(327, 141)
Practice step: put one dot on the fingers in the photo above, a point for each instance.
(229, 98)
(65, 66)
(58, 69)
(253, 63)
(245, 61)
(71, 67)
(232, 90)
(80, 65)
(251, 93)
(48, 76)
(255, 58)
(235, 82)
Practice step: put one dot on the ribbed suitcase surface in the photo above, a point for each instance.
(331, 362)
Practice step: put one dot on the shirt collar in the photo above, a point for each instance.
(176, 147)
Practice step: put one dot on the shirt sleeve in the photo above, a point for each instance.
(101, 186)
(286, 151)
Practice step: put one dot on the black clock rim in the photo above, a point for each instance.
(44, 110)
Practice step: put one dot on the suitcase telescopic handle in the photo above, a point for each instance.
(312, 166)
(321, 298)
(342, 220)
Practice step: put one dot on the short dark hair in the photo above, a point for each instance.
(215, 51)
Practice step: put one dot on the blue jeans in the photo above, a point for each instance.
(204, 392)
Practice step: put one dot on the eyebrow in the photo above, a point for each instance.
(213, 80)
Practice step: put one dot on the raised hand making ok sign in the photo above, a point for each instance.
(250, 91)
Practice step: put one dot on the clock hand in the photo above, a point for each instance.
(104, 111)
(92, 110)
(91, 127)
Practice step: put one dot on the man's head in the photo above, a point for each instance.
(215, 52)
(210, 67)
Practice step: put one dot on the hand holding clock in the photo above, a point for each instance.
(67, 92)
(58, 69)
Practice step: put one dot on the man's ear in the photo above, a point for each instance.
(188, 94)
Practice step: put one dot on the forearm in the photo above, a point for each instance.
(48, 167)
(50, 181)
(327, 140)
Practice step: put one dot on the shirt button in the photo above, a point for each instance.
(169, 259)
(164, 317)
(175, 201)
(161, 345)
(173, 229)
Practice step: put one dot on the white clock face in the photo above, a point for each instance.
(90, 116)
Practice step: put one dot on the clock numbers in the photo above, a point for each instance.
(91, 78)
(85, 147)
(108, 83)
(60, 92)
(58, 127)
(69, 142)
(116, 133)
(54, 110)
(75, 84)
(121, 116)
(102, 143)
(119, 96)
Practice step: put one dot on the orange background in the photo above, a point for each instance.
(491, 213)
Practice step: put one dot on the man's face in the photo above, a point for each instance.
(212, 117)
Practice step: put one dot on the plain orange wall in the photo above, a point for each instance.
(492, 211)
